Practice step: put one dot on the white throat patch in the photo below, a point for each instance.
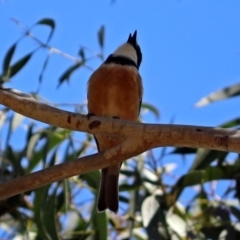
(126, 50)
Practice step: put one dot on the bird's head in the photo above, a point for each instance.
(130, 49)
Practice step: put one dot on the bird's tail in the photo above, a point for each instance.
(108, 192)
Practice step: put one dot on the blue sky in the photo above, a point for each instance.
(190, 48)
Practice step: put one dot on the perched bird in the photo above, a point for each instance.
(115, 90)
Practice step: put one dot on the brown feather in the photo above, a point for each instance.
(113, 91)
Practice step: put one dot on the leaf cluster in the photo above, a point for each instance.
(150, 206)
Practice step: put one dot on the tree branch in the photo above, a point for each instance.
(138, 138)
(63, 171)
(152, 135)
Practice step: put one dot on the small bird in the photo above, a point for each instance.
(115, 90)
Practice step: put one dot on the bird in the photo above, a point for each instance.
(115, 90)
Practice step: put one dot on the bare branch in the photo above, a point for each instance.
(138, 138)
(152, 135)
(62, 171)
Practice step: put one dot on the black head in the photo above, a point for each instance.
(132, 39)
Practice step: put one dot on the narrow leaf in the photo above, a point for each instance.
(49, 22)
(231, 91)
(202, 176)
(81, 53)
(232, 123)
(43, 68)
(149, 208)
(100, 225)
(53, 137)
(32, 143)
(151, 108)
(49, 214)
(38, 203)
(8, 58)
(2, 117)
(205, 157)
(92, 178)
(151, 214)
(101, 36)
(177, 224)
(66, 75)
(128, 187)
(16, 67)
(16, 120)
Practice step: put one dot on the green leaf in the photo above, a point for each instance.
(53, 137)
(71, 153)
(66, 75)
(44, 68)
(151, 108)
(128, 187)
(38, 203)
(192, 178)
(81, 53)
(49, 22)
(203, 199)
(53, 158)
(81, 227)
(228, 92)
(205, 157)
(49, 215)
(8, 58)
(100, 225)
(15, 68)
(232, 123)
(101, 36)
(63, 198)
(92, 178)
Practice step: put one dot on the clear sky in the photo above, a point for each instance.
(190, 48)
